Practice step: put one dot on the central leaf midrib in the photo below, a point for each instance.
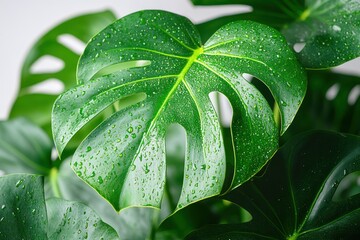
(179, 80)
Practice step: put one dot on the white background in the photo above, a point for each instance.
(22, 22)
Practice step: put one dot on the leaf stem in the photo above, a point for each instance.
(277, 116)
(155, 223)
(54, 183)
(170, 197)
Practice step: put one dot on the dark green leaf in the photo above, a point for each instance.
(24, 215)
(273, 19)
(332, 102)
(327, 30)
(157, 59)
(209, 211)
(37, 105)
(22, 207)
(24, 148)
(294, 199)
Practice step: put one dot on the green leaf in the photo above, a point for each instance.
(37, 105)
(156, 58)
(132, 223)
(22, 207)
(295, 197)
(328, 29)
(69, 220)
(24, 214)
(332, 102)
(24, 148)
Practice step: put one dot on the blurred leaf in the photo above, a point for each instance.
(23, 213)
(157, 58)
(24, 148)
(293, 199)
(332, 102)
(200, 214)
(22, 207)
(323, 32)
(35, 104)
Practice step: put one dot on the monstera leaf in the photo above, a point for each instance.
(152, 65)
(35, 104)
(323, 32)
(25, 148)
(296, 196)
(24, 214)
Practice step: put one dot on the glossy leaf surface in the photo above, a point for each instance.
(327, 30)
(157, 60)
(131, 223)
(24, 214)
(24, 148)
(74, 220)
(294, 198)
(50, 50)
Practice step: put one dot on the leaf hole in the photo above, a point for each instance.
(248, 77)
(348, 187)
(50, 86)
(72, 42)
(264, 90)
(222, 107)
(354, 95)
(175, 145)
(121, 66)
(47, 64)
(332, 92)
(298, 47)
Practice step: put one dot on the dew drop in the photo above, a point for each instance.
(18, 183)
(133, 167)
(88, 149)
(146, 169)
(336, 28)
(130, 130)
(3, 206)
(283, 103)
(100, 180)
